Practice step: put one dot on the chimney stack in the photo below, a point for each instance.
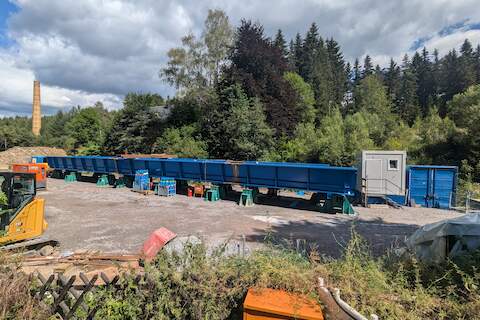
(36, 112)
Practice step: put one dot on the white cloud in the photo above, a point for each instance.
(90, 49)
(16, 92)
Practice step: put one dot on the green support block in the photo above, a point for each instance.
(347, 207)
(246, 198)
(120, 183)
(212, 194)
(71, 177)
(102, 181)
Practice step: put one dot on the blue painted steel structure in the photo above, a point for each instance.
(279, 175)
(432, 186)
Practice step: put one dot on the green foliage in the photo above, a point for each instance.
(16, 300)
(136, 126)
(338, 141)
(427, 104)
(85, 127)
(331, 139)
(197, 63)
(464, 109)
(3, 199)
(258, 66)
(237, 129)
(54, 132)
(16, 131)
(402, 137)
(357, 137)
(305, 96)
(182, 142)
(197, 283)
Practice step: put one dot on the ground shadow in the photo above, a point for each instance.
(331, 236)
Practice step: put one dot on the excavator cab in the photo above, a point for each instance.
(21, 212)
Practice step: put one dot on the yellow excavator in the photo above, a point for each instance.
(22, 213)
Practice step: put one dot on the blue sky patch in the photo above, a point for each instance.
(6, 9)
(446, 31)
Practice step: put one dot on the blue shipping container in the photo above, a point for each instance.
(432, 186)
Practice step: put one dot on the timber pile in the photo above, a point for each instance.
(88, 263)
(24, 154)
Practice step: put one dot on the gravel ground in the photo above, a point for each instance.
(83, 216)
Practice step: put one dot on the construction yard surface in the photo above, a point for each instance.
(82, 216)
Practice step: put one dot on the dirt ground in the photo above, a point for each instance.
(83, 216)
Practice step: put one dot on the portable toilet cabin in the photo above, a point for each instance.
(382, 174)
(432, 186)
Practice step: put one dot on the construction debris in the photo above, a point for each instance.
(88, 263)
(24, 154)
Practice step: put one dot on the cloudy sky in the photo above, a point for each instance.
(85, 51)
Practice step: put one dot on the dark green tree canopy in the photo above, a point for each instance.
(258, 66)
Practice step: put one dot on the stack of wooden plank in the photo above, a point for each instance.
(88, 263)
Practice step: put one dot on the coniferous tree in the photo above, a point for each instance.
(280, 43)
(422, 69)
(338, 73)
(357, 73)
(467, 65)
(347, 105)
(436, 78)
(310, 47)
(451, 78)
(407, 103)
(296, 54)
(258, 66)
(392, 81)
(367, 66)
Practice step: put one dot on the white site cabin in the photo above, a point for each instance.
(382, 172)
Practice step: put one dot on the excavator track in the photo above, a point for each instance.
(32, 244)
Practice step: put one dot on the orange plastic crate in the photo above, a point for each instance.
(264, 304)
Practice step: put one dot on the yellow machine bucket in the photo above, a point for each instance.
(28, 224)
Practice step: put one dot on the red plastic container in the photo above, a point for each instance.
(156, 241)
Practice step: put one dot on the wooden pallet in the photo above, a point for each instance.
(144, 192)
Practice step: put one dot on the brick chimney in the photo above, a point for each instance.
(36, 111)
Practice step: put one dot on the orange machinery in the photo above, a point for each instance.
(39, 169)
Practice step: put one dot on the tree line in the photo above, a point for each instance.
(244, 95)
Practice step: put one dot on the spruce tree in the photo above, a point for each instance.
(408, 108)
(310, 48)
(467, 65)
(357, 73)
(451, 78)
(367, 66)
(436, 78)
(392, 81)
(338, 73)
(280, 43)
(297, 53)
(422, 69)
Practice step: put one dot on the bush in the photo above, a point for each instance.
(201, 283)
(198, 284)
(16, 302)
(181, 142)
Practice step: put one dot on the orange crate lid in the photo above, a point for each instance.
(282, 303)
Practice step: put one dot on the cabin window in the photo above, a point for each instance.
(393, 164)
